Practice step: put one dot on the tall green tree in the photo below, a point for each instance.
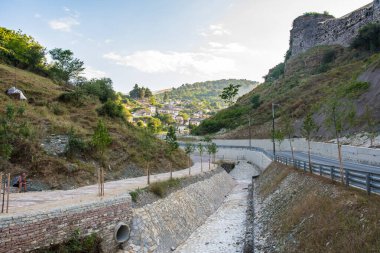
(201, 149)
(308, 129)
(101, 138)
(189, 149)
(229, 93)
(340, 114)
(370, 122)
(288, 131)
(171, 140)
(65, 68)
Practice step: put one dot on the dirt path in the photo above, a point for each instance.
(37, 201)
(224, 231)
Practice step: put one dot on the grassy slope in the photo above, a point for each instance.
(311, 214)
(46, 116)
(299, 90)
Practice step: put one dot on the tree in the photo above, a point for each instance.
(135, 92)
(166, 97)
(212, 149)
(148, 93)
(154, 124)
(288, 131)
(65, 67)
(370, 124)
(201, 150)
(339, 113)
(189, 149)
(308, 129)
(279, 137)
(101, 138)
(171, 140)
(229, 93)
(101, 88)
(255, 100)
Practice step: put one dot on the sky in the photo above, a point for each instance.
(165, 43)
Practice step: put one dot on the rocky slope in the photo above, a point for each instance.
(295, 212)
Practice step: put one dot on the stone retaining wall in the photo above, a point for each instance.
(166, 223)
(23, 233)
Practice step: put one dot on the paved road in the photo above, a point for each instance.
(330, 161)
(30, 201)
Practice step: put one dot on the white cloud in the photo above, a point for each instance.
(37, 15)
(153, 61)
(91, 72)
(215, 30)
(63, 24)
(107, 41)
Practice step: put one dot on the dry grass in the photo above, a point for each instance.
(275, 174)
(321, 216)
(46, 116)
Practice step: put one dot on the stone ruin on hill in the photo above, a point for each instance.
(312, 30)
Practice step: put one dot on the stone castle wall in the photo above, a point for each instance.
(27, 232)
(314, 30)
(168, 222)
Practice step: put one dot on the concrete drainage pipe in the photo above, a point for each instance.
(121, 232)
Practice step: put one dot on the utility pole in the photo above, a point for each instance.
(273, 130)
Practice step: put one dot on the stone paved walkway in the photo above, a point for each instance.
(37, 201)
(224, 231)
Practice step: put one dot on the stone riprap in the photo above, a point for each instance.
(313, 29)
(224, 231)
(164, 224)
(26, 232)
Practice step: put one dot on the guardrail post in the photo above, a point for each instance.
(304, 166)
(368, 183)
(320, 170)
(347, 178)
(332, 173)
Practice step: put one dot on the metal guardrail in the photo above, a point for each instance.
(364, 180)
(368, 181)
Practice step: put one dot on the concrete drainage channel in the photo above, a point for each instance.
(207, 216)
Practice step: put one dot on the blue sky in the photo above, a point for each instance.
(165, 43)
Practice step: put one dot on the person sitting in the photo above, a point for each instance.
(22, 182)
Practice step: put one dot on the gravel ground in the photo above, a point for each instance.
(224, 231)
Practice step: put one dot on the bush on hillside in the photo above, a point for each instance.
(368, 38)
(112, 109)
(275, 73)
(74, 97)
(100, 88)
(21, 50)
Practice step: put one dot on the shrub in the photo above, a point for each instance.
(255, 100)
(275, 73)
(75, 144)
(160, 188)
(74, 97)
(355, 89)
(112, 109)
(134, 195)
(101, 88)
(368, 38)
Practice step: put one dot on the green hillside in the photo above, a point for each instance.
(309, 83)
(79, 116)
(205, 95)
